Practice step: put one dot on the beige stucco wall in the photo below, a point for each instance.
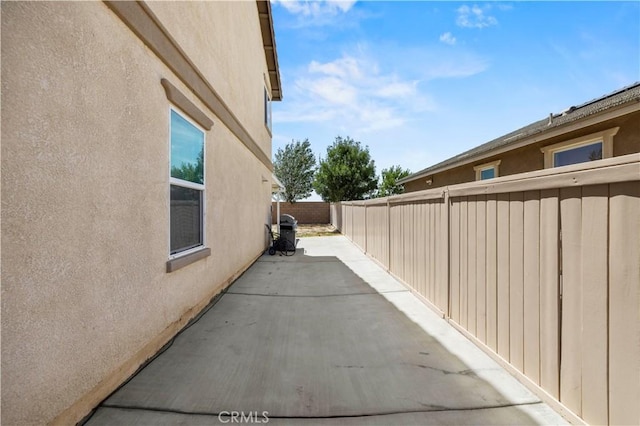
(226, 54)
(85, 197)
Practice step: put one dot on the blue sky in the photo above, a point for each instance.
(419, 82)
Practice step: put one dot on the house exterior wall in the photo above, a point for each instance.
(530, 158)
(230, 59)
(85, 202)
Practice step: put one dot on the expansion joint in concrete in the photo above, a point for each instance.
(428, 409)
(311, 296)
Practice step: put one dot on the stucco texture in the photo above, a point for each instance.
(85, 197)
(235, 66)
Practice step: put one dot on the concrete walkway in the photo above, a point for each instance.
(323, 337)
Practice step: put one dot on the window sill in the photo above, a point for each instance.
(181, 262)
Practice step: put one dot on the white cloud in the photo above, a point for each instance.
(475, 17)
(316, 7)
(346, 67)
(456, 67)
(436, 62)
(397, 89)
(369, 90)
(351, 92)
(448, 38)
(304, 115)
(317, 18)
(330, 89)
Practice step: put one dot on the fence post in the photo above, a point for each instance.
(366, 246)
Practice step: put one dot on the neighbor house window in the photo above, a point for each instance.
(267, 109)
(487, 170)
(595, 146)
(187, 185)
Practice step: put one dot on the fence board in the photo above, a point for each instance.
(491, 272)
(345, 226)
(371, 238)
(624, 302)
(481, 266)
(421, 262)
(436, 255)
(427, 249)
(407, 239)
(455, 261)
(358, 226)
(464, 278)
(420, 229)
(348, 221)
(471, 265)
(532, 285)
(364, 228)
(595, 216)
(549, 292)
(414, 259)
(395, 253)
(443, 249)
(503, 275)
(432, 251)
(403, 241)
(516, 280)
(571, 348)
(383, 217)
(386, 235)
(351, 209)
(377, 234)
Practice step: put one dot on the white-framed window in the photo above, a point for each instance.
(580, 150)
(187, 185)
(267, 109)
(487, 170)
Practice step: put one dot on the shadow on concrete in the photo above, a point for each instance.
(305, 340)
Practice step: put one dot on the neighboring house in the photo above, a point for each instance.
(136, 184)
(605, 127)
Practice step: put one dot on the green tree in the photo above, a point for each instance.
(295, 166)
(190, 171)
(390, 177)
(347, 173)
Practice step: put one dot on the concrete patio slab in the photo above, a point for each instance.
(322, 337)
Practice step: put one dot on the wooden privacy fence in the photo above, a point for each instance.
(541, 270)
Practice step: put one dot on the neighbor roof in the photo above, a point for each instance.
(269, 43)
(623, 96)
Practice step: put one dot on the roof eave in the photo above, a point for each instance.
(269, 44)
(614, 112)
